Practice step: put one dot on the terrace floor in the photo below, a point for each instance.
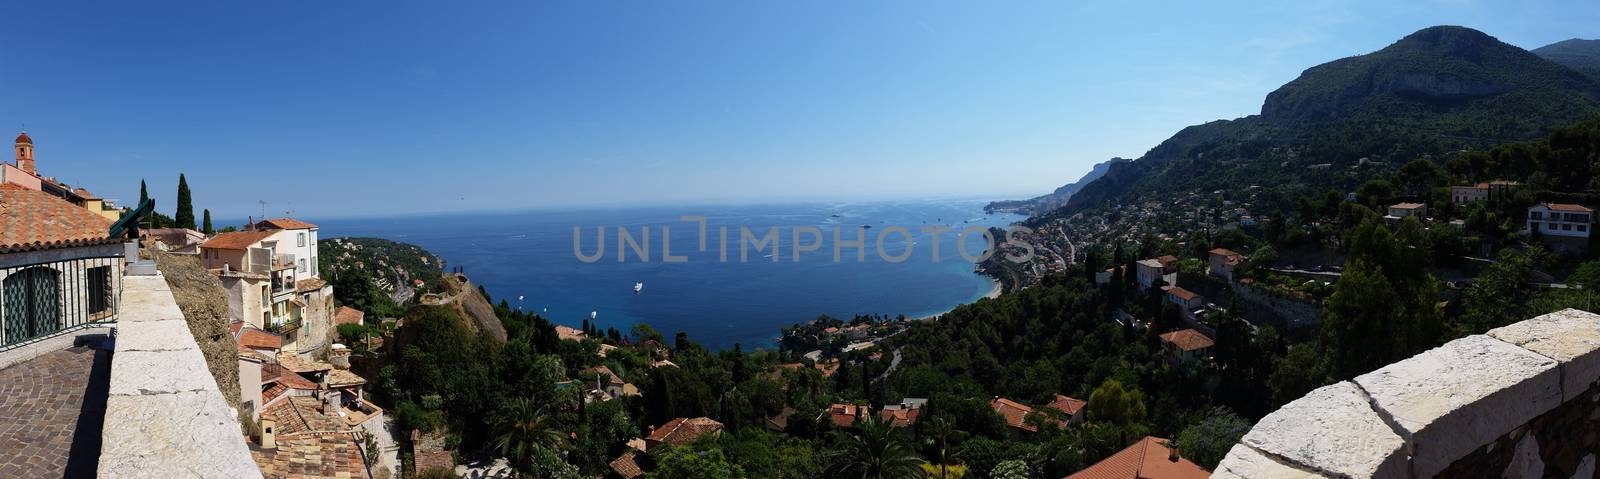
(52, 407)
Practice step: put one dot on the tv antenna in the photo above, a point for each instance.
(263, 208)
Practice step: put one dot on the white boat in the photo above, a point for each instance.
(637, 287)
(594, 314)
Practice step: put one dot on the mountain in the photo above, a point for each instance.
(1436, 91)
(1058, 198)
(1577, 54)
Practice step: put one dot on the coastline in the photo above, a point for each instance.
(994, 293)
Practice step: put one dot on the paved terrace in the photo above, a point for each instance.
(52, 402)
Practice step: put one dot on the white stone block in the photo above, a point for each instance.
(1570, 336)
(150, 372)
(163, 335)
(189, 434)
(1453, 399)
(1243, 462)
(1333, 429)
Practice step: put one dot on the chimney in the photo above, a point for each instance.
(1172, 451)
(268, 440)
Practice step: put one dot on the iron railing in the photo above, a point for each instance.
(45, 299)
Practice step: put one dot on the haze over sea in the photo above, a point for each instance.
(529, 254)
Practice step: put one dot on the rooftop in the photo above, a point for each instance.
(34, 220)
(1187, 339)
(284, 224)
(1150, 458)
(682, 431)
(235, 240)
(1014, 412)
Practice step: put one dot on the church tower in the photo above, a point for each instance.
(25, 154)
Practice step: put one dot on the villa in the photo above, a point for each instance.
(270, 274)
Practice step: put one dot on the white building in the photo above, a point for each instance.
(1563, 227)
(270, 274)
(1402, 210)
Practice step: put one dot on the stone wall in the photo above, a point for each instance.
(1520, 401)
(165, 415)
(1294, 313)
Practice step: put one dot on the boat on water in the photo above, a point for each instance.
(638, 287)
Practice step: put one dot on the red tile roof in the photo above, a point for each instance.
(258, 339)
(1068, 405)
(626, 467)
(902, 417)
(1147, 459)
(844, 415)
(236, 240)
(312, 455)
(34, 220)
(1568, 208)
(1014, 412)
(1182, 294)
(349, 315)
(1187, 339)
(309, 284)
(682, 431)
(23, 138)
(284, 224)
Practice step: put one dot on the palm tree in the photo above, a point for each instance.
(939, 432)
(522, 429)
(873, 452)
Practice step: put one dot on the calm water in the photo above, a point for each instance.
(530, 255)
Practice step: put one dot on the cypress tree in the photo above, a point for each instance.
(144, 193)
(206, 227)
(185, 215)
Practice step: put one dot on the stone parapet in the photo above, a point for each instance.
(165, 416)
(1518, 399)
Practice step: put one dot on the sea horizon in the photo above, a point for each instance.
(526, 258)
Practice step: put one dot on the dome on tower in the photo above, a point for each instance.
(23, 138)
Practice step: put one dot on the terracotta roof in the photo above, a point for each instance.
(294, 380)
(568, 332)
(900, 417)
(34, 220)
(1570, 208)
(309, 284)
(844, 415)
(273, 393)
(1167, 260)
(1146, 459)
(604, 371)
(343, 377)
(626, 467)
(294, 363)
(682, 431)
(1182, 294)
(1014, 412)
(1407, 206)
(349, 315)
(23, 138)
(302, 414)
(1187, 339)
(1067, 405)
(311, 455)
(284, 224)
(258, 339)
(828, 368)
(236, 240)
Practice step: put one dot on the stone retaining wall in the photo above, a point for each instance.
(165, 416)
(1521, 401)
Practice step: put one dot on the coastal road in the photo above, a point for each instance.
(894, 363)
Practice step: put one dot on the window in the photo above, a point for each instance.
(264, 295)
(300, 240)
(1583, 227)
(302, 267)
(1566, 227)
(100, 291)
(1537, 215)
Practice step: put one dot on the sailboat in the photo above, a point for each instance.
(638, 287)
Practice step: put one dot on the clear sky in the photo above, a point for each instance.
(353, 108)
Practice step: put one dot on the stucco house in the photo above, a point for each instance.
(269, 272)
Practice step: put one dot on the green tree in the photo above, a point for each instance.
(205, 227)
(524, 429)
(1502, 294)
(873, 451)
(144, 193)
(184, 218)
(688, 463)
(1115, 404)
(1206, 442)
(1012, 469)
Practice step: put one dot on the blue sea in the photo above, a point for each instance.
(528, 259)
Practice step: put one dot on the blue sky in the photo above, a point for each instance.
(376, 108)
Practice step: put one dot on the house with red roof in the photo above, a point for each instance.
(843, 415)
(1186, 345)
(1070, 407)
(1014, 413)
(1564, 228)
(1221, 262)
(269, 271)
(1150, 458)
(680, 431)
(1186, 301)
(59, 267)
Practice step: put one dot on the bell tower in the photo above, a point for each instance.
(25, 154)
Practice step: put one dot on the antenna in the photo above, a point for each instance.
(263, 208)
